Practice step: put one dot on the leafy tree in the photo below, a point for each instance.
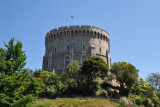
(94, 67)
(12, 59)
(73, 69)
(154, 80)
(144, 90)
(125, 73)
(17, 89)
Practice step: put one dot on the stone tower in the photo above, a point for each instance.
(68, 43)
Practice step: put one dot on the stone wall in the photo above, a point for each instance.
(74, 43)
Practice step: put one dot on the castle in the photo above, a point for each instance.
(68, 43)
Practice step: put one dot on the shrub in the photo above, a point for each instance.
(115, 93)
(102, 93)
(124, 102)
(138, 101)
(19, 89)
(148, 103)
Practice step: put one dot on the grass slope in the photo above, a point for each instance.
(74, 102)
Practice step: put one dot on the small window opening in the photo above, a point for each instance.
(67, 60)
(67, 48)
(100, 50)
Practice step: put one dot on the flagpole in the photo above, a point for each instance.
(71, 20)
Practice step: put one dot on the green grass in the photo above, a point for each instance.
(74, 102)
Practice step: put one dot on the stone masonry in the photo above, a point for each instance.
(68, 43)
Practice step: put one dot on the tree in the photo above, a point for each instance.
(125, 73)
(94, 67)
(19, 90)
(154, 80)
(73, 69)
(12, 59)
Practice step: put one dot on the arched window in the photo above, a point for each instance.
(91, 33)
(67, 48)
(107, 56)
(66, 60)
(76, 33)
(99, 50)
(87, 33)
(83, 47)
(94, 33)
(80, 32)
(83, 32)
(83, 58)
(64, 33)
(72, 33)
(55, 50)
(104, 37)
(68, 33)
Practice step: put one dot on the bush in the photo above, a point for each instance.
(138, 101)
(115, 93)
(19, 89)
(102, 93)
(124, 102)
(148, 103)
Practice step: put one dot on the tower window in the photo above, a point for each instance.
(83, 47)
(67, 48)
(83, 58)
(67, 60)
(55, 50)
(99, 50)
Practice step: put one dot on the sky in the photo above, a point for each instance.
(133, 26)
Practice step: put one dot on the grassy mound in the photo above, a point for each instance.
(74, 102)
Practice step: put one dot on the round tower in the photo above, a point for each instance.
(66, 44)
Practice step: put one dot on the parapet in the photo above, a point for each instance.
(91, 30)
(76, 27)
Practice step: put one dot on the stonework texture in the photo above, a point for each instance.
(66, 44)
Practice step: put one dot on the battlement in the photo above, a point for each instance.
(77, 30)
(76, 27)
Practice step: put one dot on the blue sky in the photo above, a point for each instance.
(133, 26)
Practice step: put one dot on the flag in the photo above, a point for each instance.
(72, 16)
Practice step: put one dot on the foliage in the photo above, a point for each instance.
(102, 93)
(94, 67)
(148, 103)
(125, 73)
(56, 85)
(154, 80)
(73, 69)
(19, 89)
(16, 88)
(145, 91)
(12, 59)
(138, 100)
